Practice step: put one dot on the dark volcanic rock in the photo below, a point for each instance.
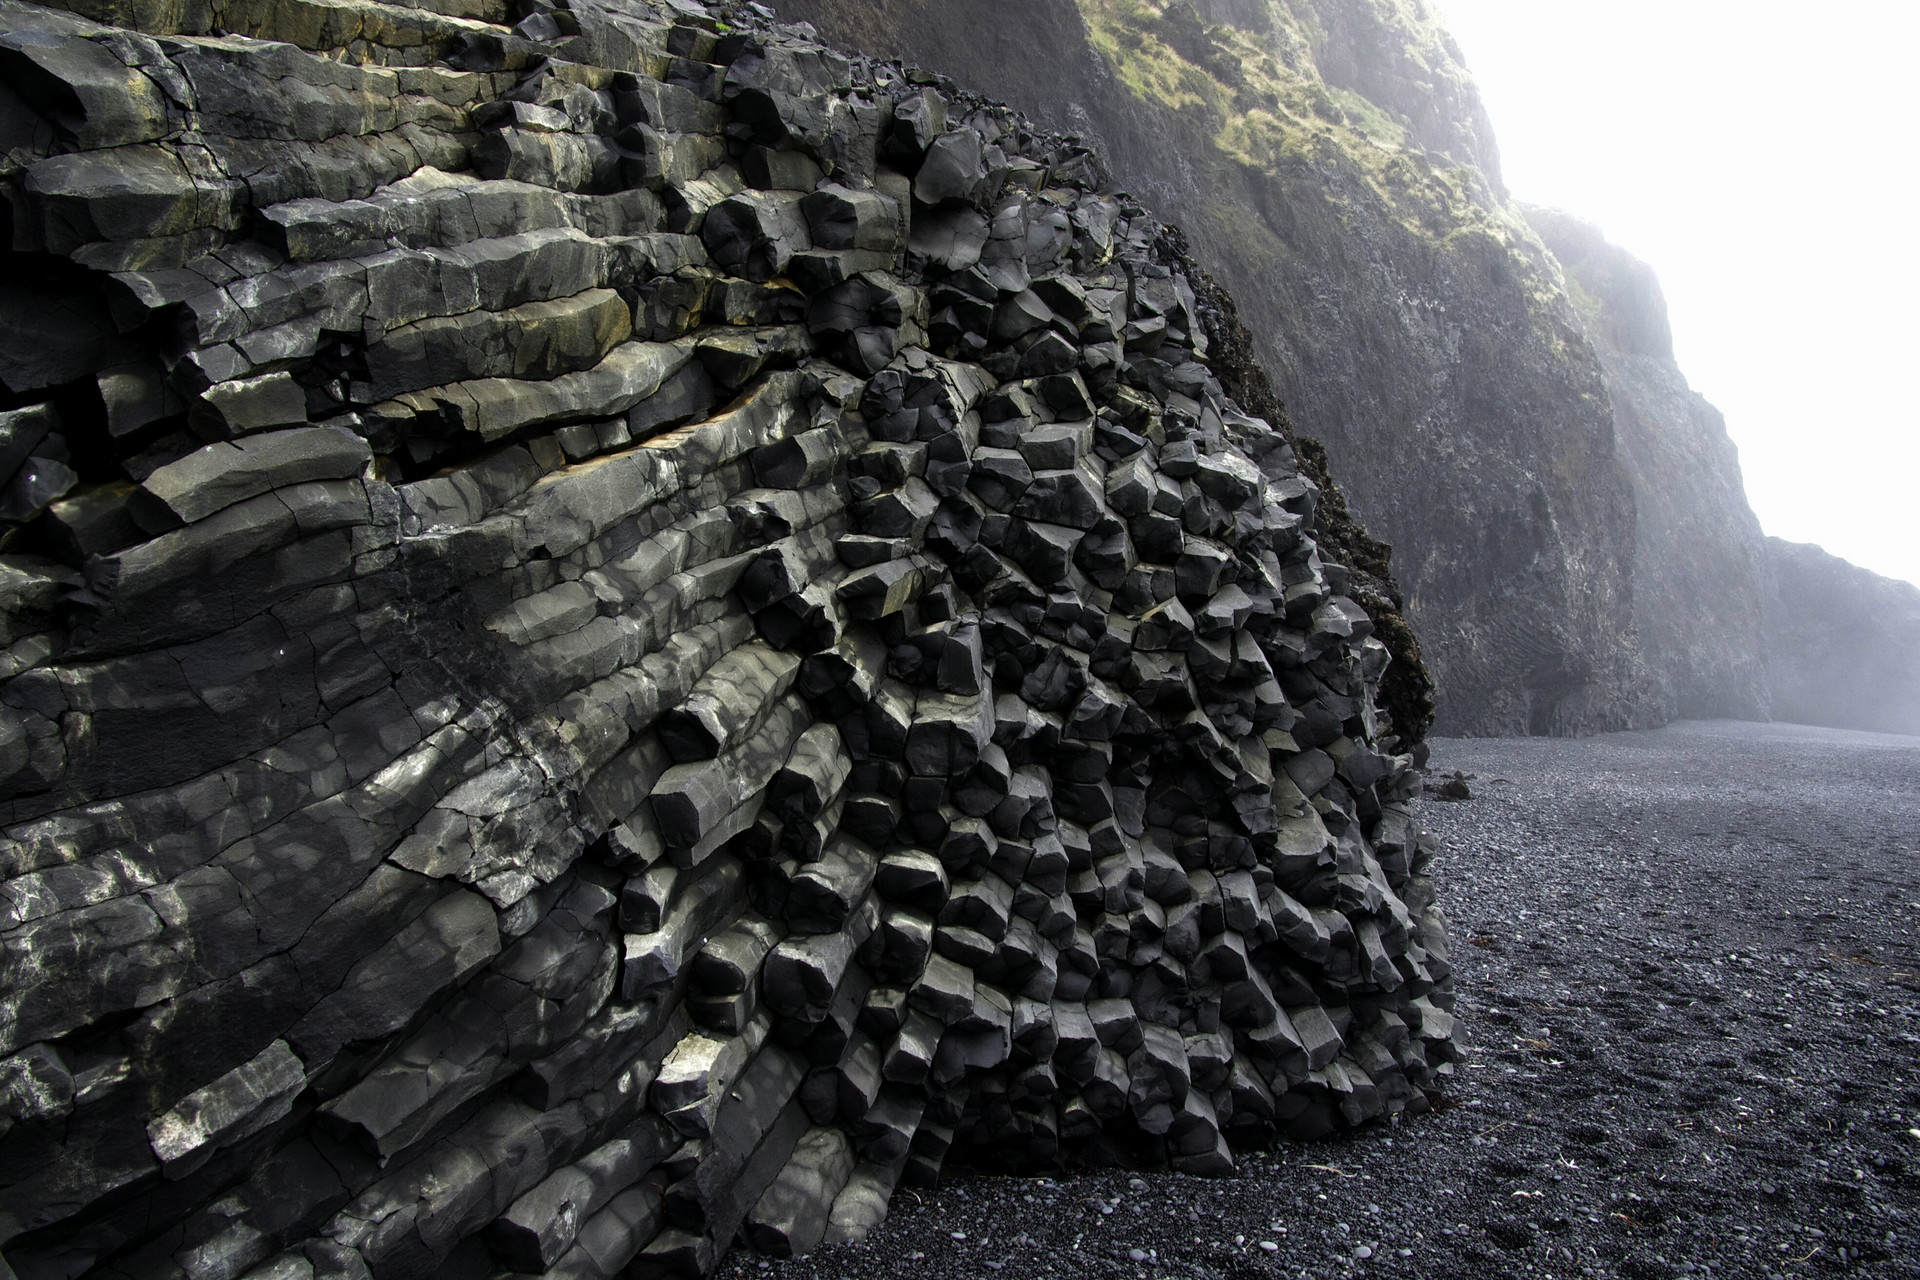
(1514, 424)
(1335, 166)
(625, 633)
(1686, 960)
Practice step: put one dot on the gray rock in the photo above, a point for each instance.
(220, 475)
(667, 697)
(537, 340)
(756, 233)
(839, 217)
(244, 1101)
(37, 485)
(544, 1224)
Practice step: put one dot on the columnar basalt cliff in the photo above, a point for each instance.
(623, 631)
(1331, 159)
(1574, 537)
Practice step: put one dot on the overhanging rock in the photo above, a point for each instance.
(625, 633)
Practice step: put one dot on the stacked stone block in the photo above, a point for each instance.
(622, 633)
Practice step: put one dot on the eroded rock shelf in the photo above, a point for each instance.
(625, 632)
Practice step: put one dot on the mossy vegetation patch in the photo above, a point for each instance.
(1265, 103)
(1258, 93)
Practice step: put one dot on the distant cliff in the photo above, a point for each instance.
(1495, 385)
(1700, 572)
(1843, 643)
(1732, 623)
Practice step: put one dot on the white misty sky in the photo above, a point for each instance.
(1761, 156)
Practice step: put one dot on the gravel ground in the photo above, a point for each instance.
(1687, 963)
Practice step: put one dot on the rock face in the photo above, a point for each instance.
(1843, 643)
(622, 631)
(1700, 567)
(1734, 624)
(1330, 159)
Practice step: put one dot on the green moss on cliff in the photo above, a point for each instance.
(1592, 313)
(1258, 92)
(1382, 141)
(1266, 103)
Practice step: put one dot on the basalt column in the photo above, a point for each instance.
(623, 633)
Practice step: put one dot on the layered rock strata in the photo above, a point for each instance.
(624, 632)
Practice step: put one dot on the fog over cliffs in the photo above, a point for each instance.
(1495, 384)
(1843, 643)
(1700, 572)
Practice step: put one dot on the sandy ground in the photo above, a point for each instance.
(1689, 965)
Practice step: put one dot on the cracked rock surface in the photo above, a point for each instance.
(622, 633)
